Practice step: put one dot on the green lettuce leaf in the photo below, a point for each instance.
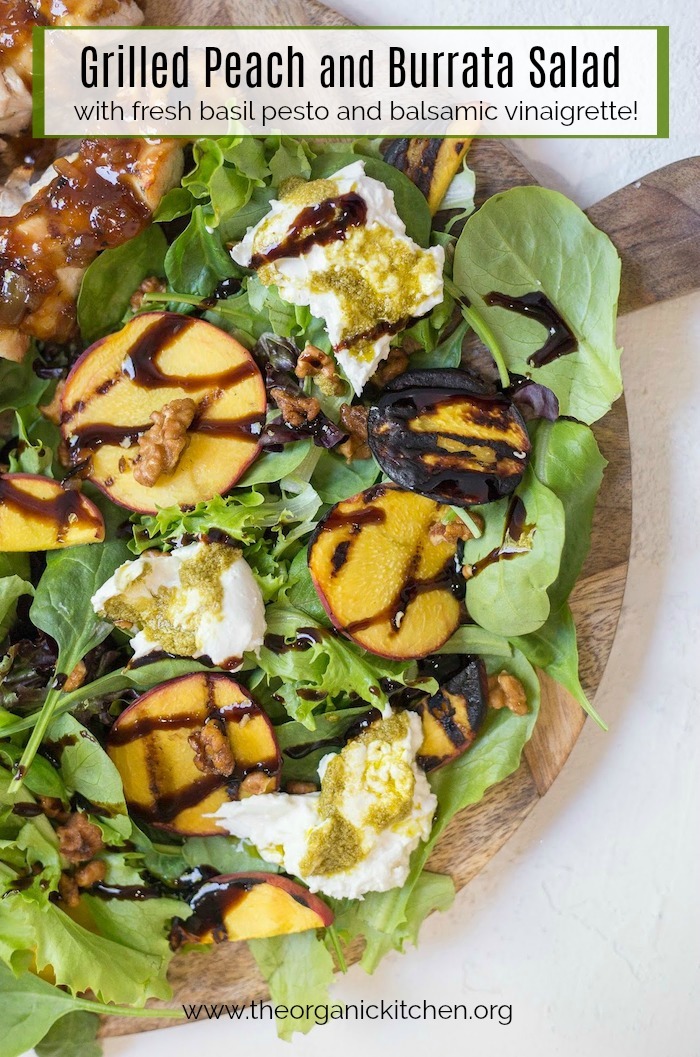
(530, 239)
(19, 385)
(196, 261)
(299, 971)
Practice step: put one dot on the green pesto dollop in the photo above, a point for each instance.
(161, 614)
(371, 780)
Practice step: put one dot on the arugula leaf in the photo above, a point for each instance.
(31, 1006)
(196, 261)
(509, 597)
(299, 971)
(530, 239)
(566, 459)
(410, 202)
(111, 279)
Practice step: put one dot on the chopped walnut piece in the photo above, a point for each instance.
(212, 748)
(353, 419)
(255, 782)
(296, 408)
(90, 873)
(394, 365)
(76, 678)
(53, 808)
(505, 691)
(300, 787)
(52, 410)
(68, 890)
(79, 839)
(150, 285)
(162, 445)
(316, 364)
(452, 531)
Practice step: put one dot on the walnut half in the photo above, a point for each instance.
(316, 364)
(505, 691)
(353, 419)
(162, 445)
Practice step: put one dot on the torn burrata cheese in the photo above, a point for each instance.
(339, 246)
(358, 833)
(200, 600)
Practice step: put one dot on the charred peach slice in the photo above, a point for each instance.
(169, 410)
(443, 434)
(451, 718)
(37, 514)
(380, 578)
(189, 745)
(247, 906)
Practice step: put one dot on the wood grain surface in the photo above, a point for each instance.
(654, 224)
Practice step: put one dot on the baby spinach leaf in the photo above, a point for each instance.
(14, 582)
(509, 595)
(178, 202)
(233, 223)
(276, 465)
(62, 609)
(529, 240)
(111, 279)
(411, 204)
(86, 768)
(334, 478)
(196, 261)
(31, 1006)
(292, 157)
(19, 385)
(566, 459)
(74, 1035)
(447, 354)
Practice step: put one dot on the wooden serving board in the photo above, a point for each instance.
(655, 225)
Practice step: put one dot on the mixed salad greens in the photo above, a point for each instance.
(60, 965)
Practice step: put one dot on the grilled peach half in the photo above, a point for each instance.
(161, 363)
(443, 434)
(37, 514)
(247, 906)
(189, 745)
(451, 718)
(382, 581)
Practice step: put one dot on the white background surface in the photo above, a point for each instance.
(588, 921)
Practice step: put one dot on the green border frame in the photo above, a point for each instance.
(662, 80)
